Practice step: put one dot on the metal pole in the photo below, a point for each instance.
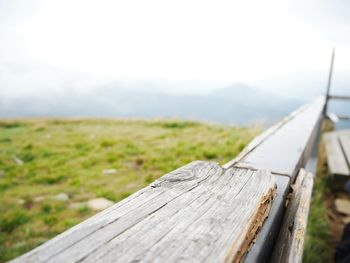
(329, 83)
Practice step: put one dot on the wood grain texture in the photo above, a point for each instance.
(344, 140)
(264, 136)
(339, 97)
(335, 156)
(266, 238)
(290, 243)
(198, 213)
(289, 147)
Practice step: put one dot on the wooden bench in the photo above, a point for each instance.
(337, 146)
(201, 212)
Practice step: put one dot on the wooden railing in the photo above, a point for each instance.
(204, 212)
(333, 116)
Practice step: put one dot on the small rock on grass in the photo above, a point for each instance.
(2, 173)
(110, 171)
(342, 206)
(21, 201)
(61, 197)
(38, 199)
(17, 160)
(77, 205)
(99, 204)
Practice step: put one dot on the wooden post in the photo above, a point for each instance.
(329, 83)
(290, 243)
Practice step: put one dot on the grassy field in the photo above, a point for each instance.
(69, 156)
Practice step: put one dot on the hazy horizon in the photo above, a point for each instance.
(170, 58)
(192, 46)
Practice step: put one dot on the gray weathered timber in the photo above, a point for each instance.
(336, 97)
(344, 140)
(265, 240)
(333, 117)
(290, 243)
(329, 83)
(335, 156)
(289, 147)
(198, 213)
(135, 201)
(344, 118)
(264, 136)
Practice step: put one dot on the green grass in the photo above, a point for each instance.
(318, 245)
(70, 155)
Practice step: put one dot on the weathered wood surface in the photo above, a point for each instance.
(336, 97)
(333, 117)
(288, 146)
(264, 136)
(344, 140)
(290, 243)
(344, 118)
(335, 151)
(198, 213)
(265, 240)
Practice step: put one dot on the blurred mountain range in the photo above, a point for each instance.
(235, 104)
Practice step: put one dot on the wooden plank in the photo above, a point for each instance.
(344, 140)
(290, 243)
(336, 97)
(266, 238)
(335, 156)
(341, 132)
(201, 212)
(333, 117)
(264, 136)
(344, 118)
(289, 147)
(135, 201)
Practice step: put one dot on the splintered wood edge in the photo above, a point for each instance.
(301, 217)
(290, 242)
(257, 221)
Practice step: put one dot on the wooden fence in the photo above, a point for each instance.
(203, 212)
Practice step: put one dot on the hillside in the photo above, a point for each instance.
(50, 168)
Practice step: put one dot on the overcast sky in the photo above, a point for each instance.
(47, 44)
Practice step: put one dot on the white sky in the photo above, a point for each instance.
(44, 44)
